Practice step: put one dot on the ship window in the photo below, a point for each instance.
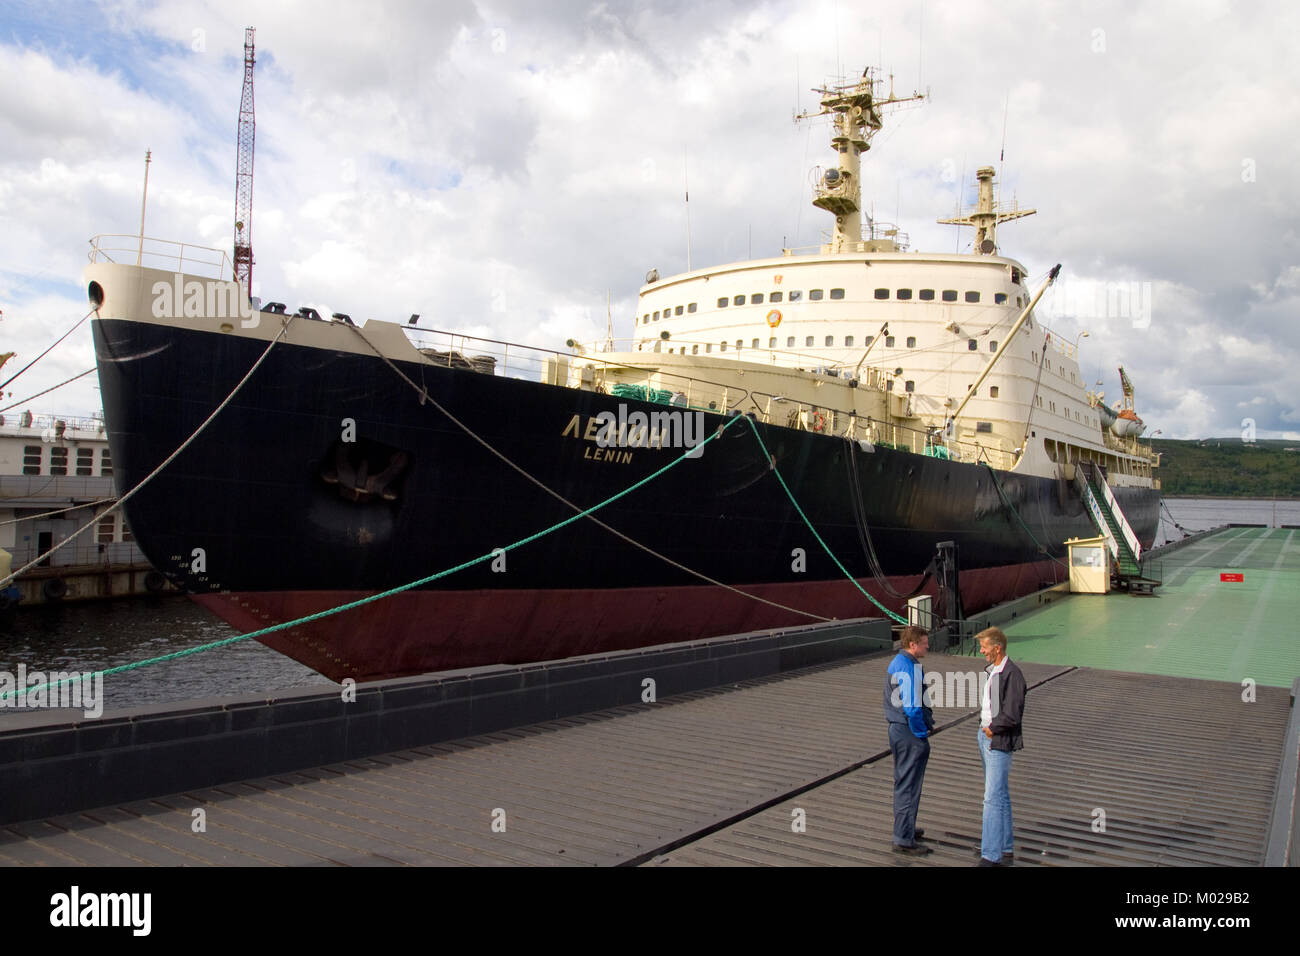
(691, 307)
(926, 295)
(105, 462)
(972, 345)
(1034, 357)
(771, 343)
(645, 319)
(889, 385)
(830, 340)
(740, 344)
(659, 346)
(756, 298)
(656, 316)
(814, 294)
(1040, 401)
(848, 341)
(58, 461)
(870, 339)
(889, 341)
(808, 342)
(738, 300)
(708, 347)
(903, 294)
(722, 347)
(776, 297)
(972, 296)
(882, 293)
(723, 302)
(993, 391)
(676, 311)
(796, 295)
(984, 426)
(789, 343)
(85, 461)
(695, 350)
(909, 386)
(911, 341)
(837, 293)
(950, 295)
(755, 345)
(993, 345)
(126, 531)
(999, 298)
(32, 459)
(1015, 276)
(105, 530)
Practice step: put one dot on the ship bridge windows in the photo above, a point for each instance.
(972, 296)
(691, 307)
(848, 341)
(882, 293)
(738, 300)
(105, 462)
(972, 345)
(676, 311)
(889, 341)
(950, 295)
(926, 295)
(815, 294)
(755, 344)
(999, 298)
(776, 297)
(723, 302)
(58, 461)
(789, 343)
(837, 293)
(85, 461)
(911, 341)
(808, 342)
(32, 455)
(656, 316)
(1016, 277)
(830, 340)
(870, 339)
(903, 295)
(756, 298)
(795, 295)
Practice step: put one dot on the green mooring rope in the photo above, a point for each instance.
(213, 645)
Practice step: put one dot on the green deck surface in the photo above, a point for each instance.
(1195, 625)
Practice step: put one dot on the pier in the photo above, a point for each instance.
(762, 749)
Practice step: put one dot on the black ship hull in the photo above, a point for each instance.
(327, 478)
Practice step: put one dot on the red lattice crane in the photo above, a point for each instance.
(244, 175)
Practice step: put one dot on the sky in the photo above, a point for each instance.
(503, 167)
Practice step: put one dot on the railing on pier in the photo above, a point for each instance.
(162, 254)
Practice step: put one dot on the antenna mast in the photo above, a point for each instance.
(244, 175)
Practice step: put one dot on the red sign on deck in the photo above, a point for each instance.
(1227, 576)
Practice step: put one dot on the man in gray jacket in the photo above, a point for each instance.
(1001, 711)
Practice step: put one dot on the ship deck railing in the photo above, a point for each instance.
(184, 257)
(590, 370)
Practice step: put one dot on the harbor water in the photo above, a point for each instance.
(98, 636)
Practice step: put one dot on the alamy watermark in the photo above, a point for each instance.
(675, 429)
(203, 299)
(82, 691)
(960, 689)
(1092, 299)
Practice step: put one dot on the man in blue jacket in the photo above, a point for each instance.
(910, 726)
(1001, 710)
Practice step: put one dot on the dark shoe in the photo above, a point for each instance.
(1006, 857)
(919, 833)
(984, 861)
(913, 850)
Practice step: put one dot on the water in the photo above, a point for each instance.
(89, 637)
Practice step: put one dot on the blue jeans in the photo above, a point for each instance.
(996, 837)
(911, 754)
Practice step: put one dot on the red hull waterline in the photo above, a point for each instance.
(418, 632)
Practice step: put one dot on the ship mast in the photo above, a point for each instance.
(987, 215)
(855, 114)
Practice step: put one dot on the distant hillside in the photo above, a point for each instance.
(1229, 467)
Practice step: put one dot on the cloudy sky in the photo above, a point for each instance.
(499, 167)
